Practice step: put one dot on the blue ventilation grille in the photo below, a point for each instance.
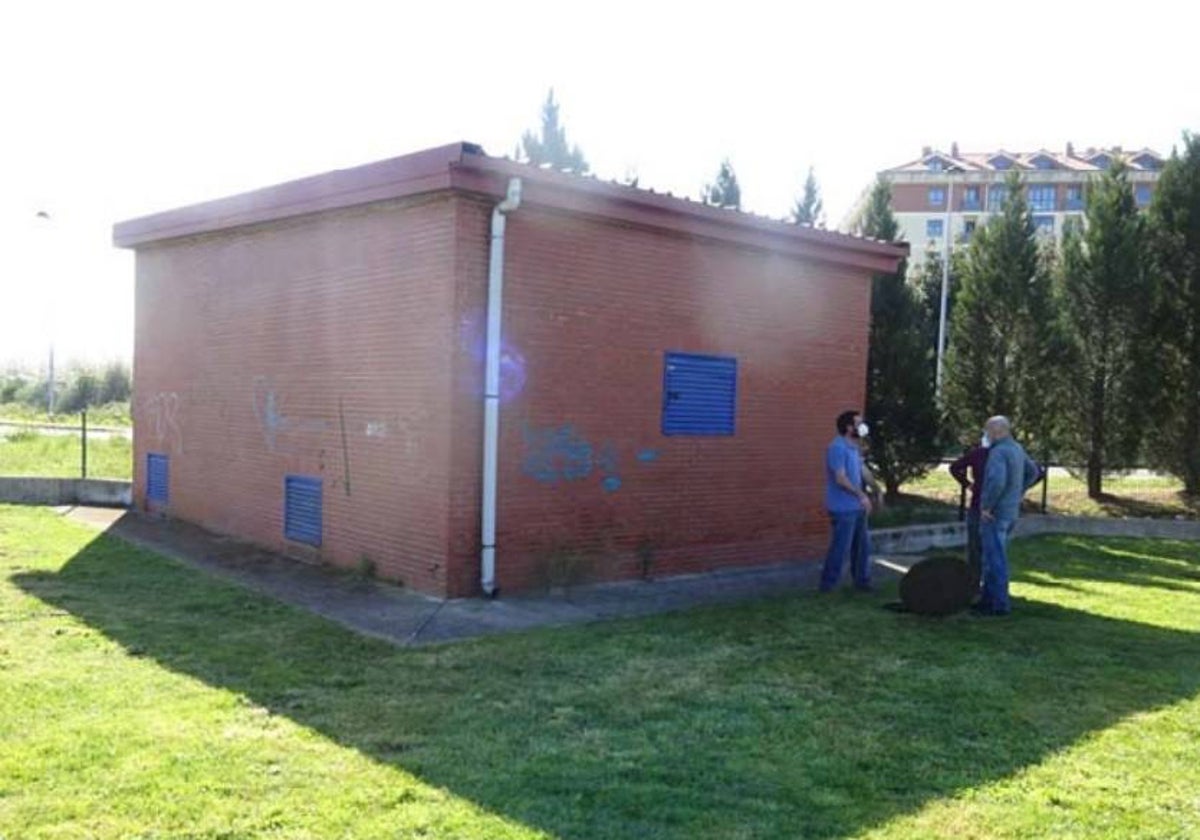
(302, 509)
(699, 395)
(158, 478)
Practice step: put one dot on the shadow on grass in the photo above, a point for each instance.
(1175, 566)
(799, 717)
(1129, 506)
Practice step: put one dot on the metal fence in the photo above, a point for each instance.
(20, 454)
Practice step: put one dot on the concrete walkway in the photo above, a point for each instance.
(407, 618)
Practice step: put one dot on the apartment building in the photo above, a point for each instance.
(952, 193)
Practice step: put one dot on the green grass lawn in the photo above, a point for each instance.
(142, 699)
(113, 414)
(935, 497)
(58, 456)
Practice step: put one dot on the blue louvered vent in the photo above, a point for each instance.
(699, 394)
(158, 478)
(302, 509)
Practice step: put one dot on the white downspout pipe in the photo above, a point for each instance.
(491, 386)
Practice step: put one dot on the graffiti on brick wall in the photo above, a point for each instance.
(562, 454)
(472, 336)
(162, 415)
(556, 454)
(610, 468)
(272, 418)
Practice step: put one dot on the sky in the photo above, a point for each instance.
(113, 110)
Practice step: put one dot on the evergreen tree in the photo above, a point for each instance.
(900, 387)
(724, 191)
(1175, 232)
(1108, 295)
(1004, 330)
(809, 209)
(551, 146)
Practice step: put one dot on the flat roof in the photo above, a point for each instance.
(463, 167)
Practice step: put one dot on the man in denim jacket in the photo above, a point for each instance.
(1008, 474)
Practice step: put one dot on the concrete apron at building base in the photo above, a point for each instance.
(96, 492)
(404, 617)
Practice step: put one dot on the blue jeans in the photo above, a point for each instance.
(850, 536)
(994, 535)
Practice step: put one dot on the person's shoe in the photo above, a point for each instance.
(984, 611)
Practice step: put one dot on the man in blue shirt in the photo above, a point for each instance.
(848, 505)
(1008, 474)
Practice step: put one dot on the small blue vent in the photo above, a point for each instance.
(302, 509)
(699, 394)
(158, 478)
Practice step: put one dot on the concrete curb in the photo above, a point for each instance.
(915, 539)
(97, 492)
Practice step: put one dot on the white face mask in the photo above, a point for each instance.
(986, 441)
(863, 430)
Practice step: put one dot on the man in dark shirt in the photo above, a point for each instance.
(968, 472)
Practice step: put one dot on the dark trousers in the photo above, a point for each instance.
(974, 554)
(850, 537)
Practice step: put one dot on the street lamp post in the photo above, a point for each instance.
(44, 216)
(941, 345)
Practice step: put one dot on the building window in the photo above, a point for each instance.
(968, 229)
(1141, 193)
(937, 196)
(936, 165)
(1101, 161)
(1043, 162)
(997, 195)
(1001, 163)
(934, 228)
(1042, 198)
(1044, 224)
(1075, 197)
(699, 395)
(158, 478)
(1148, 162)
(302, 509)
(971, 198)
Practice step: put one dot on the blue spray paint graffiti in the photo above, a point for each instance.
(561, 453)
(608, 462)
(556, 454)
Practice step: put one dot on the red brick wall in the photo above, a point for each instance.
(320, 346)
(590, 309)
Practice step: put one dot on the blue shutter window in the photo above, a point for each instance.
(699, 395)
(158, 478)
(302, 509)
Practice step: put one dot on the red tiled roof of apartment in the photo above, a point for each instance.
(984, 161)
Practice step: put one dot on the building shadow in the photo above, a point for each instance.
(797, 717)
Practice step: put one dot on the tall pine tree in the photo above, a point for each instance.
(809, 209)
(1108, 294)
(900, 387)
(724, 191)
(1004, 327)
(1175, 233)
(551, 147)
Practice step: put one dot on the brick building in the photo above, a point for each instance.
(310, 365)
(948, 194)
